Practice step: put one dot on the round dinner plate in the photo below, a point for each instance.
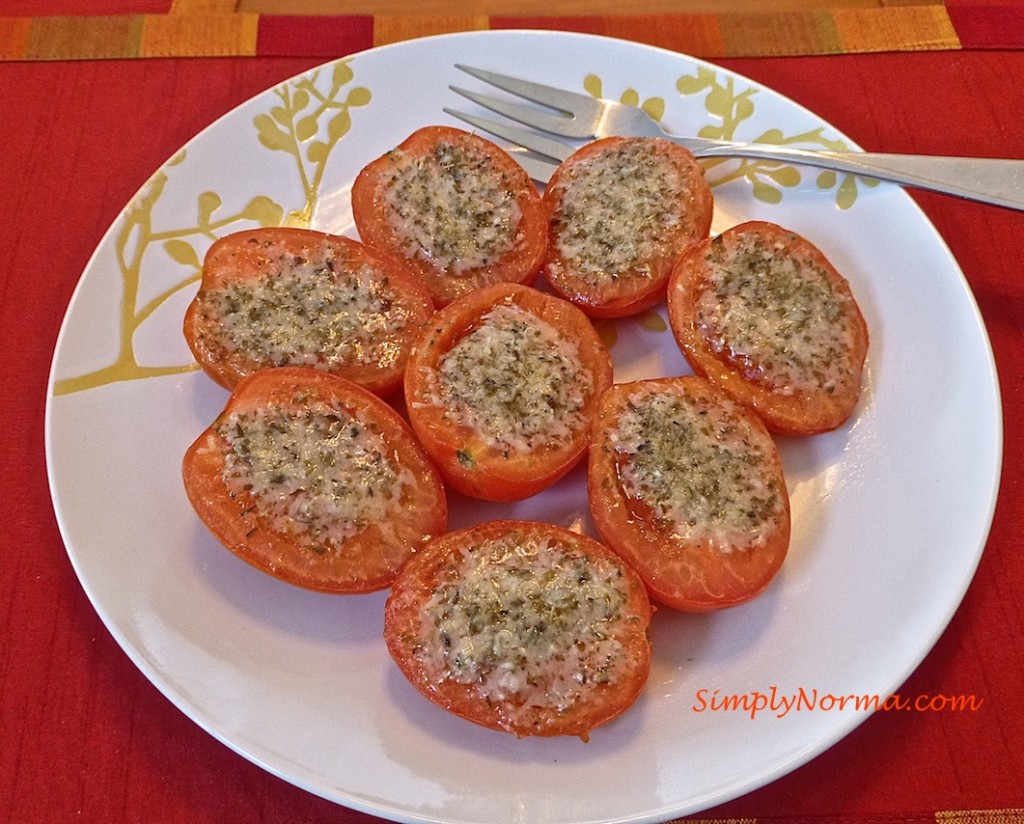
(891, 512)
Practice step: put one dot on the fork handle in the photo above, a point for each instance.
(987, 180)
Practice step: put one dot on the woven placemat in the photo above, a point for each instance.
(202, 30)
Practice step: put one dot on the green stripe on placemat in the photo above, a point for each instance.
(730, 34)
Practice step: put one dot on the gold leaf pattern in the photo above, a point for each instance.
(306, 123)
(732, 108)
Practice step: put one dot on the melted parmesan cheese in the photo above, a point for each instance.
(780, 318)
(307, 312)
(698, 466)
(453, 208)
(319, 475)
(526, 622)
(615, 210)
(516, 381)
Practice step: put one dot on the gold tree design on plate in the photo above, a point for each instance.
(295, 126)
(307, 123)
(767, 178)
(730, 108)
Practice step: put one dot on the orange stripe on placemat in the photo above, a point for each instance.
(14, 33)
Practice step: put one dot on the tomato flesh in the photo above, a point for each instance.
(762, 313)
(294, 297)
(521, 627)
(500, 388)
(314, 480)
(620, 212)
(456, 207)
(687, 486)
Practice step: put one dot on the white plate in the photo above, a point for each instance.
(891, 512)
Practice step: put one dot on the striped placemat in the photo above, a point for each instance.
(194, 30)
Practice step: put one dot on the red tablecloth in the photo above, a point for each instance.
(84, 736)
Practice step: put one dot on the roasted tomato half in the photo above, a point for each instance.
(762, 313)
(294, 297)
(686, 484)
(501, 387)
(457, 208)
(522, 627)
(315, 480)
(620, 213)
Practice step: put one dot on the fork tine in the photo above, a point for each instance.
(545, 146)
(572, 103)
(560, 124)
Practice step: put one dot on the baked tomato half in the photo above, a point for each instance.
(501, 387)
(686, 485)
(762, 313)
(456, 207)
(620, 213)
(295, 297)
(315, 480)
(522, 627)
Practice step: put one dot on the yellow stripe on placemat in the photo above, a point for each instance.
(130, 35)
(199, 35)
(66, 38)
(1008, 816)
(886, 29)
(203, 6)
(805, 32)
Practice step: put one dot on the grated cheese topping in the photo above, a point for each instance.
(700, 467)
(615, 211)
(454, 208)
(319, 475)
(781, 319)
(516, 380)
(526, 621)
(314, 311)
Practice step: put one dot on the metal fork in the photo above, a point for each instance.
(581, 117)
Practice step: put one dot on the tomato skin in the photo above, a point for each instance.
(375, 220)
(629, 293)
(468, 464)
(687, 575)
(405, 624)
(366, 561)
(252, 255)
(784, 410)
